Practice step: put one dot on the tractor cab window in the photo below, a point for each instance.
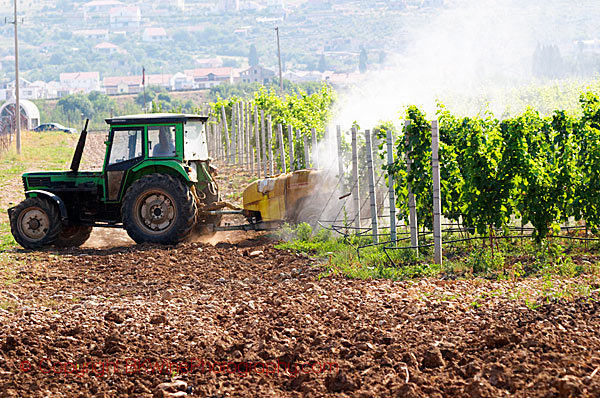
(126, 145)
(195, 146)
(161, 141)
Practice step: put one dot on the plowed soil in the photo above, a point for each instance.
(96, 322)
(234, 316)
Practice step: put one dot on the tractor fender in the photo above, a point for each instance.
(59, 202)
(171, 167)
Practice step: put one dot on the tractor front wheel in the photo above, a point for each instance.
(35, 222)
(158, 208)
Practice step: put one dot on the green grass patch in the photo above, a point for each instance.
(8, 268)
(7, 241)
(8, 305)
(39, 151)
(505, 260)
(341, 256)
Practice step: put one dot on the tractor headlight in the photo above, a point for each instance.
(192, 172)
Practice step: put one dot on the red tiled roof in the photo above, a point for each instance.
(136, 80)
(79, 76)
(201, 72)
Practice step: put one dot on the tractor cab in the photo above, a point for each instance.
(139, 144)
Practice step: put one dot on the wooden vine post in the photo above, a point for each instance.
(211, 139)
(355, 190)
(298, 165)
(281, 148)
(371, 180)
(247, 136)
(257, 141)
(306, 151)
(412, 206)
(269, 147)
(437, 202)
(339, 151)
(217, 137)
(242, 129)
(243, 135)
(234, 132)
(315, 157)
(291, 147)
(263, 143)
(221, 147)
(391, 192)
(226, 133)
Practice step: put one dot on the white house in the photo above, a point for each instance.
(133, 84)
(209, 77)
(154, 34)
(27, 90)
(80, 82)
(257, 74)
(127, 17)
(44, 90)
(100, 6)
(303, 76)
(181, 81)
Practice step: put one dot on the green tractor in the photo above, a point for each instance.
(155, 181)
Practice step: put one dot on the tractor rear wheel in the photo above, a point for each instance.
(73, 236)
(158, 208)
(35, 222)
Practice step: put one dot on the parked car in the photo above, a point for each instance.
(54, 127)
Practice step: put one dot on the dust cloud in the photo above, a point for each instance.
(469, 55)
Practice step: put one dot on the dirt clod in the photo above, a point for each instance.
(158, 319)
(338, 383)
(432, 358)
(480, 388)
(569, 386)
(114, 317)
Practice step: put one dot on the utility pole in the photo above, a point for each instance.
(278, 56)
(17, 102)
(144, 86)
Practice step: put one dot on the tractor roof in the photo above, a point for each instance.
(150, 118)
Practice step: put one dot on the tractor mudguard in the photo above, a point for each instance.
(172, 167)
(59, 202)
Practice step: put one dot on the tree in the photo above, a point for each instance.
(253, 56)
(151, 92)
(548, 62)
(75, 105)
(362, 61)
(322, 64)
(101, 103)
